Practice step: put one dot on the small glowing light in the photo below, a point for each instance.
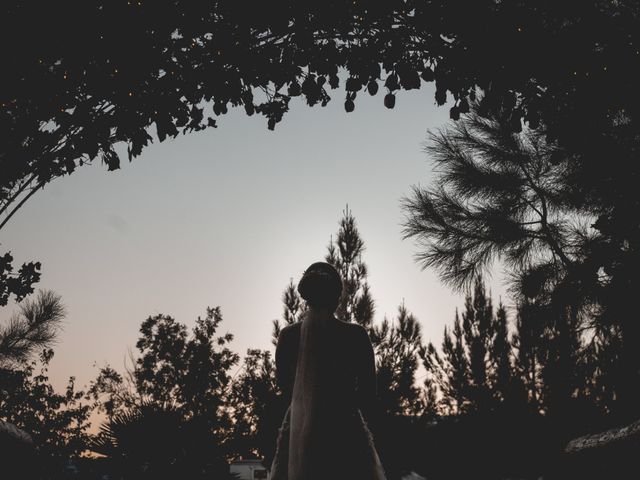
(131, 94)
(519, 29)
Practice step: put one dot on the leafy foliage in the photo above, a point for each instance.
(17, 284)
(177, 388)
(171, 68)
(257, 407)
(57, 422)
(148, 442)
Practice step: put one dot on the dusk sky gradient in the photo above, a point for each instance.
(226, 217)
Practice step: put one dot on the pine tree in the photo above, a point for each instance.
(475, 371)
(292, 308)
(500, 357)
(476, 323)
(509, 196)
(450, 372)
(527, 341)
(397, 345)
(345, 254)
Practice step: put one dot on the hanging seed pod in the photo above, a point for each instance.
(389, 100)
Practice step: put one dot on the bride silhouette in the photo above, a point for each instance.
(326, 369)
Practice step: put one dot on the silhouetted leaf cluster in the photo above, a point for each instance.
(166, 68)
(18, 284)
(57, 422)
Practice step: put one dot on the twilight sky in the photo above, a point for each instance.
(225, 217)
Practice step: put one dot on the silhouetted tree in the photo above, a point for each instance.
(477, 323)
(32, 328)
(497, 194)
(178, 376)
(257, 407)
(148, 442)
(449, 371)
(475, 370)
(602, 367)
(397, 346)
(345, 253)
(57, 422)
(501, 358)
(292, 305)
(509, 196)
(528, 341)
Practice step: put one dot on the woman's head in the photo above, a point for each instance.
(321, 286)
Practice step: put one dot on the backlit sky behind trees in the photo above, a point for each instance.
(226, 217)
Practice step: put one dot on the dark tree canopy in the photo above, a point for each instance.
(82, 76)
